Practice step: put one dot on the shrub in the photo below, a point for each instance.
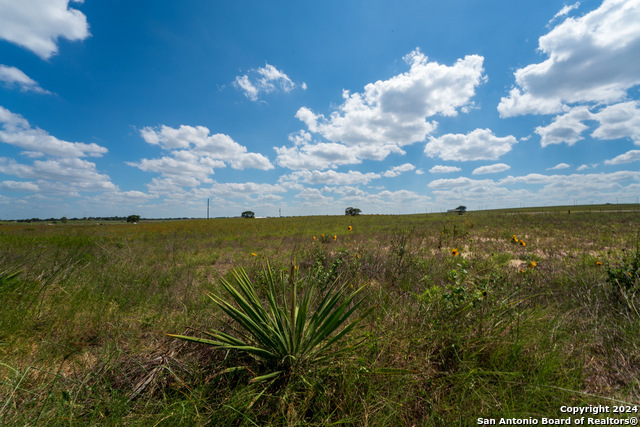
(248, 214)
(286, 333)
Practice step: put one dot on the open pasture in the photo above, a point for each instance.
(487, 314)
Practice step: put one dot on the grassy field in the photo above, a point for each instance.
(510, 314)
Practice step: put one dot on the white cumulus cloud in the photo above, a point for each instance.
(390, 114)
(330, 177)
(565, 11)
(444, 169)
(263, 80)
(60, 175)
(14, 77)
(480, 144)
(567, 128)
(496, 168)
(305, 154)
(395, 110)
(628, 157)
(544, 189)
(591, 59)
(59, 170)
(244, 190)
(38, 24)
(193, 154)
(616, 121)
(201, 144)
(397, 170)
(17, 131)
(619, 121)
(559, 166)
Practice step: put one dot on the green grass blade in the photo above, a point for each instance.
(266, 377)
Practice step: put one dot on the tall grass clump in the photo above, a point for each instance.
(287, 333)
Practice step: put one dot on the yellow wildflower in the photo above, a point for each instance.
(598, 263)
(523, 243)
(532, 264)
(254, 254)
(335, 237)
(349, 228)
(455, 252)
(514, 239)
(314, 237)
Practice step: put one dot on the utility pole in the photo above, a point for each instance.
(207, 208)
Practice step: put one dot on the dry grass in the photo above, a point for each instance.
(451, 338)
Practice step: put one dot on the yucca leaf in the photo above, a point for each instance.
(329, 324)
(197, 340)
(248, 289)
(301, 322)
(342, 333)
(227, 338)
(327, 305)
(247, 321)
(256, 351)
(252, 308)
(269, 332)
(334, 321)
(266, 377)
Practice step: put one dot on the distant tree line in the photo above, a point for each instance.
(86, 218)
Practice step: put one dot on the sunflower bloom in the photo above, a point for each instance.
(598, 263)
(532, 264)
(455, 252)
(335, 237)
(314, 237)
(254, 254)
(349, 228)
(523, 243)
(514, 239)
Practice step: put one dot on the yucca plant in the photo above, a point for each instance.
(285, 332)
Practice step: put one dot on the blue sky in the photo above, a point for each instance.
(151, 107)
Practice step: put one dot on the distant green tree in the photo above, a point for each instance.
(63, 220)
(133, 218)
(248, 214)
(461, 209)
(352, 211)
